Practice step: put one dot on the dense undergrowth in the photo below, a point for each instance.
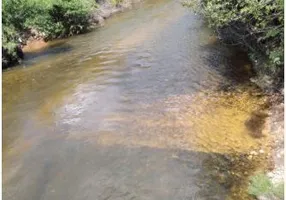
(50, 18)
(255, 25)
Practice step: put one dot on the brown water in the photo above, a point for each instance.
(133, 110)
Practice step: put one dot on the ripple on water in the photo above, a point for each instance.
(212, 123)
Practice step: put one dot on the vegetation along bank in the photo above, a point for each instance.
(29, 20)
(257, 27)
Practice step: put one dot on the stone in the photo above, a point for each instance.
(261, 151)
(105, 13)
(96, 19)
(253, 153)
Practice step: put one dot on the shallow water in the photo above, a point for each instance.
(133, 110)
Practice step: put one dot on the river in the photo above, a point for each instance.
(136, 109)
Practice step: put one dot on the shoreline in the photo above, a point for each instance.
(275, 127)
(33, 40)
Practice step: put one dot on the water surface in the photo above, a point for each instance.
(132, 110)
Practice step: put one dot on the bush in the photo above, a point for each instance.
(52, 18)
(256, 25)
(261, 185)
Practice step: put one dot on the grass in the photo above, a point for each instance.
(261, 185)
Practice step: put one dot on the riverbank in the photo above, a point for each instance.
(275, 127)
(257, 28)
(33, 38)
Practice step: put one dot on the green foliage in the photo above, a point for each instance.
(9, 39)
(52, 18)
(71, 17)
(116, 2)
(257, 25)
(260, 184)
(278, 190)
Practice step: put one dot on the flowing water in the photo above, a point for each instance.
(136, 109)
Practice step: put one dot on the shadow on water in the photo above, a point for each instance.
(238, 70)
(54, 48)
(239, 67)
(231, 62)
(130, 173)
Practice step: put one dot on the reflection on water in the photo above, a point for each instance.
(139, 109)
(49, 50)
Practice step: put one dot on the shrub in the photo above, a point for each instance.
(256, 25)
(53, 18)
(261, 185)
